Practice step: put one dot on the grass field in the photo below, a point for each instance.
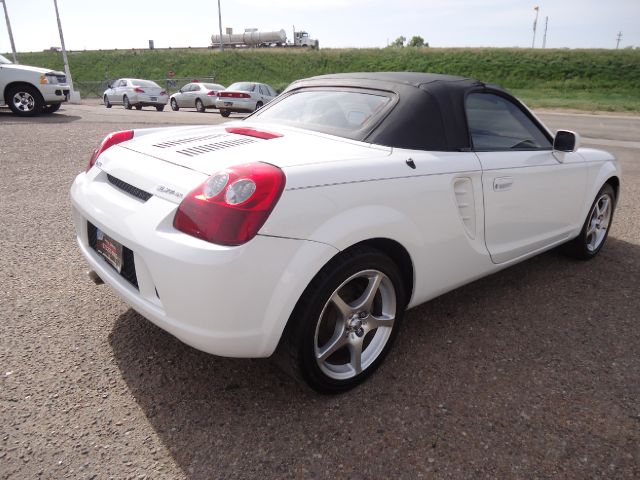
(607, 80)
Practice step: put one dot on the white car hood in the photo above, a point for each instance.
(28, 68)
(209, 149)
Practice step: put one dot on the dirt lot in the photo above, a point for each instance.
(531, 373)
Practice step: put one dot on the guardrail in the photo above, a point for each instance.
(96, 88)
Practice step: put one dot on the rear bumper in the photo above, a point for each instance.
(146, 100)
(236, 105)
(228, 301)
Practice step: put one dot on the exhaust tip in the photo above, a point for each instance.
(94, 277)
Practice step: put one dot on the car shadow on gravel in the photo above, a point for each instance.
(532, 370)
(6, 116)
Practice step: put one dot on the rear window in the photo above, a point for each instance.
(337, 112)
(213, 86)
(144, 83)
(242, 86)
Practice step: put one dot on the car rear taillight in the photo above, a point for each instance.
(211, 93)
(108, 142)
(253, 132)
(230, 207)
(163, 93)
(138, 90)
(234, 95)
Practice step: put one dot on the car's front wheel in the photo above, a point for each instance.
(126, 102)
(174, 105)
(199, 105)
(596, 227)
(225, 113)
(54, 107)
(107, 103)
(25, 100)
(346, 321)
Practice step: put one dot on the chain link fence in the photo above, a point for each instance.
(96, 88)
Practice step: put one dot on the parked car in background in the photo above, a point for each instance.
(29, 90)
(196, 95)
(308, 228)
(134, 92)
(244, 97)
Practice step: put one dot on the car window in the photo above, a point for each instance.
(186, 87)
(213, 86)
(4, 60)
(263, 91)
(272, 92)
(144, 83)
(496, 123)
(122, 83)
(332, 111)
(242, 86)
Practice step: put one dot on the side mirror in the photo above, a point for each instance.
(180, 90)
(109, 85)
(566, 141)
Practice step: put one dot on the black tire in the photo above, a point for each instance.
(25, 100)
(596, 227)
(317, 323)
(138, 107)
(159, 108)
(259, 105)
(107, 103)
(174, 105)
(225, 113)
(126, 103)
(199, 106)
(54, 107)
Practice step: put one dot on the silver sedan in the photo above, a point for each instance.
(196, 95)
(134, 92)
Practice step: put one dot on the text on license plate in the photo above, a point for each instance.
(109, 249)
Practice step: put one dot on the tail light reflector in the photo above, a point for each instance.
(108, 142)
(253, 132)
(211, 93)
(230, 207)
(163, 92)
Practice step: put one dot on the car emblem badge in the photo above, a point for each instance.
(169, 193)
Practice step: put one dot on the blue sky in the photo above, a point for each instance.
(106, 24)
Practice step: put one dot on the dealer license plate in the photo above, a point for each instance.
(109, 249)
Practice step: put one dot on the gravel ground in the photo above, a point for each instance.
(533, 372)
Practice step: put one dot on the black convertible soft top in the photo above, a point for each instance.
(429, 114)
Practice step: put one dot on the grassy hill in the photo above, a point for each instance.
(583, 79)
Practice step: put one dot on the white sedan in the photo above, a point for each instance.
(134, 92)
(244, 97)
(196, 95)
(310, 227)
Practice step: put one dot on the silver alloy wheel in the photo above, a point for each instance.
(599, 222)
(24, 101)
(355, 324)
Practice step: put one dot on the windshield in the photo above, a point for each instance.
(4, 60)
(144, 83)
(242, 86)
(337, 112)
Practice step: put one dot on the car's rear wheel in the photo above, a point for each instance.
(259, 105)
(138, 107)
(596, 227)
(345, 322)
(54, 107)
(25, 100)
(174, 105)
(107, 103)
(199, 105)
(126, 102)
(225, 113)
(159, 108)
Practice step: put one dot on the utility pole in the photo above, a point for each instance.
(544, 39)
(74, 96)
(619, 38)
(535, 25)
(220, 26)
(13, 45)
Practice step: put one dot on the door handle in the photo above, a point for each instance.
(502, 184)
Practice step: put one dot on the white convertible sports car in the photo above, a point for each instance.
(311, 226)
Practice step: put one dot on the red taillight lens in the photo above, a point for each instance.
(253, 132)
(108, 142)
(231, 206)
(163, 93)
(138, 90)
(244, 95)
(211, 93)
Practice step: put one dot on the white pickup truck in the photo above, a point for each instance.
(31, 91)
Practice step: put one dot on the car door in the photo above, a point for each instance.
(182, 95)
(195, 93)
(111, 92)
(532, 195)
